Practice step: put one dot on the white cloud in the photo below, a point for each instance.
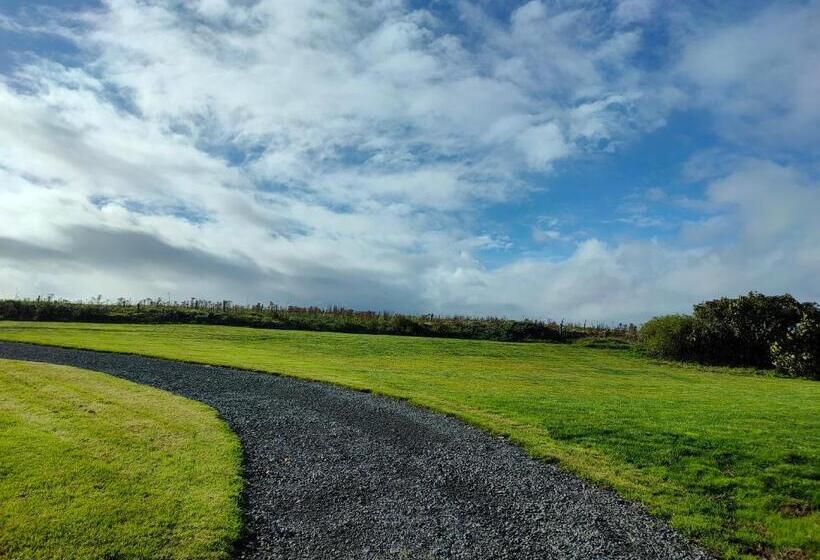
(761, 75)
(770, 202)
(634, 11)
(543, 144)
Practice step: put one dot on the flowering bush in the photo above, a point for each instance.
(798, 352)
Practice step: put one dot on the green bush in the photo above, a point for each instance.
(668, 336)
(798, 352)
(606, 342)
(752, 330)
(740, 331)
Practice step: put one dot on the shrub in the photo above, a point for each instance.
(668, 336)
(740, 331)
(606, 342)
(797, 353)
(752, 330)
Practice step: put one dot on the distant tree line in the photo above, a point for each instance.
(752, 330)
(335, 319)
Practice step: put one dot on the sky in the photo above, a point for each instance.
(587, 161)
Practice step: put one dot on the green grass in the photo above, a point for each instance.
(729, 457)
(96, 467)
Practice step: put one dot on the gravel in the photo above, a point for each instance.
(334, 473)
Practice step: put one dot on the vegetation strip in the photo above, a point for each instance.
(331, 319)
(96, 467)
(729, 456)
(333, 473)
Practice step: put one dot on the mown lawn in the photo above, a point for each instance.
(729, 457)
(96, 467)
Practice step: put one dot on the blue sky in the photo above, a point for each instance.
(602, 161)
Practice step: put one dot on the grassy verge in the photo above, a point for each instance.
(729, 457)
(96, 467)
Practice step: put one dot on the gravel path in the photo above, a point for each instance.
(332, 473)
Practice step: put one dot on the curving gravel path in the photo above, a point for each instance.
(333, 473)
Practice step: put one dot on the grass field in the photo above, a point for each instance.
(727, 456)
(96, 467)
